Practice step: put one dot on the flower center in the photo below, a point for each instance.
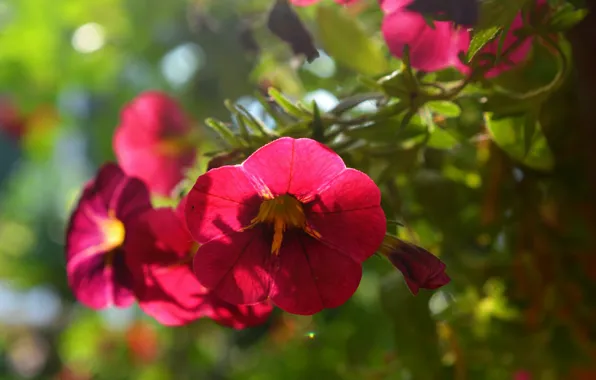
(113, 233)
(283, 212)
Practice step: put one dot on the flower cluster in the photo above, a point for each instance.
(288, 227)
(433, 48)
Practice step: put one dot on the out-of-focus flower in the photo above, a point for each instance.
(12, 122)
(142, 342)
(159, 252)
(421, 269)
(155, 141)
(95, 263)
(429, 49)
(291, 223)
(522, 375)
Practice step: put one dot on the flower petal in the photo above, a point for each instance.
(235, 266)
(348, 215)
(98, 285)
(310, 276)
(295, 166)
(222, 201)
(430, 49)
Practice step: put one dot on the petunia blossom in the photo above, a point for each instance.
(153, 141)
(96, 232)
(420, 268)
(159, 252)
(429, 49)
(291, 223)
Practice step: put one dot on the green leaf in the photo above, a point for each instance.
(479, 39)
(494, 15)
(287, 104)
(441, 139)
(444, 108)
(566, 18)
(345, 39)
(223, 131)
(510, 135)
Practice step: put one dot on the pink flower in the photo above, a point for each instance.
(159, 252)
(291, 224)
(153, 141)
(95, 265)
(430, 49)
(421, 269)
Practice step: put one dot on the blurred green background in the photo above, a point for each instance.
(515, 230)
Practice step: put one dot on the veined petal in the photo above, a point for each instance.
(310, 276)
(235, 267)
(222, 201)
(294, 166)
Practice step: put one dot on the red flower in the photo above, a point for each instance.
(95, 264)
(159, 252)
(430, 49)
(421, 269)
(153, 141)
(291, 223)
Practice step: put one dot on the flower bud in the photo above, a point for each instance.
(420, 268)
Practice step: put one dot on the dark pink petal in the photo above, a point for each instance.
(348, 215)
(235, 267)
(222, 201)
(239, 316)
(310, 276)
(430, 49)
(421, 269)
(295, 166)
(98, 285)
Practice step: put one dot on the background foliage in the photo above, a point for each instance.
(494, 179)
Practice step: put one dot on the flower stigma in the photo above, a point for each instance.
(283, 212)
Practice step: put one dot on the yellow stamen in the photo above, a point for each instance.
(282, 212)
(113, 232)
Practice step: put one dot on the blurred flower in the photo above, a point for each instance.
(12, 122)
(421, 269)
(522, 375)
(159, 252)
(95, 265)
(154, 141)
(430, 49)
(142, 342)
(291, 223)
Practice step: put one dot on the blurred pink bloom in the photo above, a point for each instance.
(95, 265)
(430, 49)
(522, 375)
(153, 141)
